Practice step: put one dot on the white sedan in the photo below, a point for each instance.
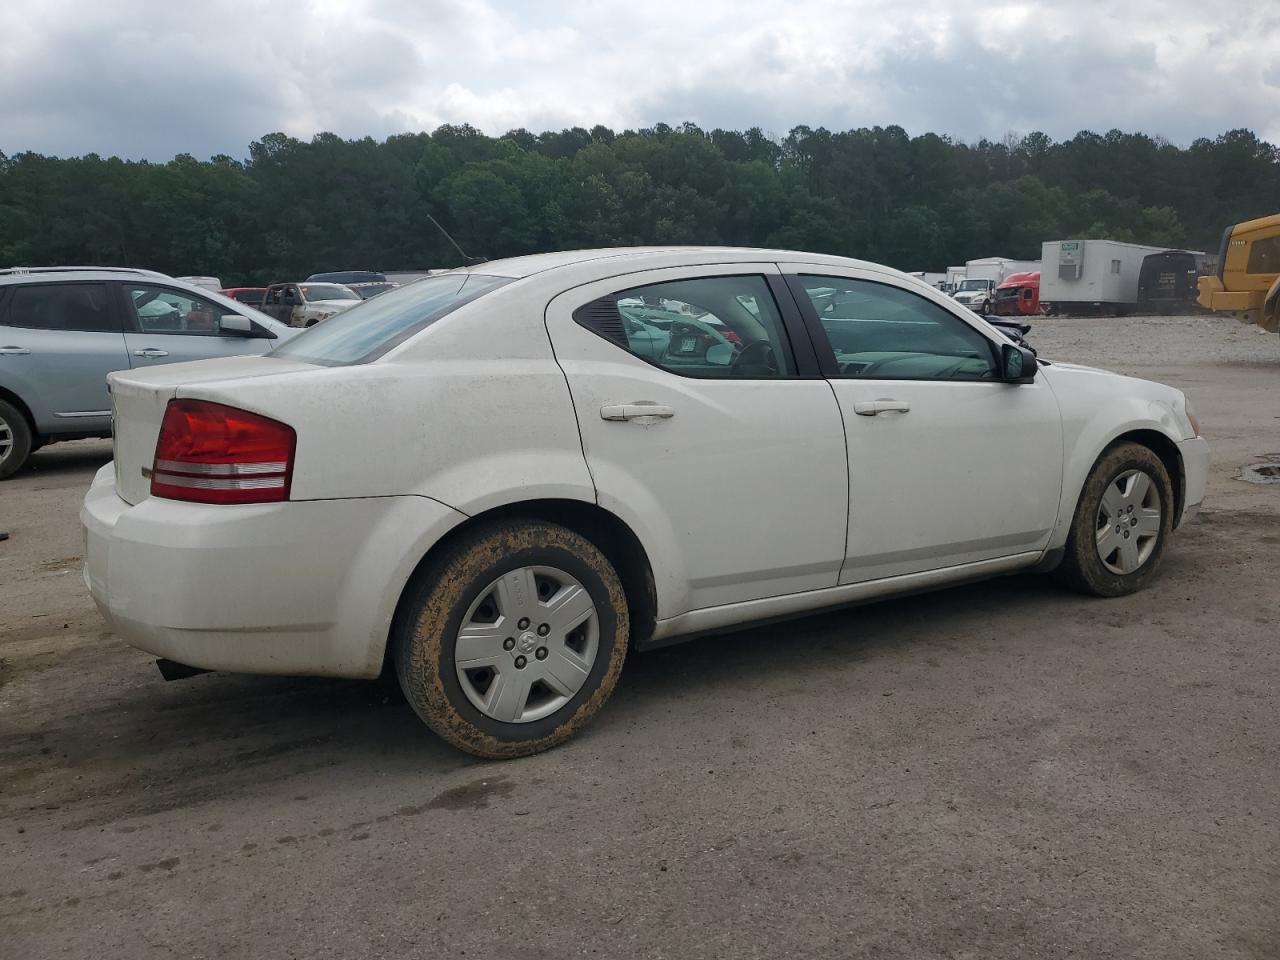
(481, 480)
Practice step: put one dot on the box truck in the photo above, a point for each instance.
(1091, 276)
(981, 277)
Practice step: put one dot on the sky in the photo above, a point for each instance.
(147, 79)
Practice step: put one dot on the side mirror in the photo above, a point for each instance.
(1017, 364)
(235, 324)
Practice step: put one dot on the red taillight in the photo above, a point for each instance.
(212, 453)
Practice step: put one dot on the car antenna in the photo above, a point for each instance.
(466, 261)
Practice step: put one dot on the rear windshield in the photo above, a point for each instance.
(327, 291)
(370, 329)
(348, 276)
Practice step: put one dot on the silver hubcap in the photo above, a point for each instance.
(527, 644)
(6, 439)
(1128, 526)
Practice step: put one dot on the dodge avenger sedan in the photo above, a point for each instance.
(498, 480)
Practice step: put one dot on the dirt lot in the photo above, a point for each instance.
(997, 771)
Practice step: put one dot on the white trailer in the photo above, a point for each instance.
(932, 279)
(1091, 276)
(996, 269)
(954, 276)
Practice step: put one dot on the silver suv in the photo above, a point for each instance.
(63, 329)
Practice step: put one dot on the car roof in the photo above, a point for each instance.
(53, 274)
(640, 258)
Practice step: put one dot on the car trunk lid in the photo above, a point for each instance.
(139, 398)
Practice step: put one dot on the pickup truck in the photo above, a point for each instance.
(306, 304)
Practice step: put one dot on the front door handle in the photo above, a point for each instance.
(636, 411)
(14, 351)
(151, 353)
(869, 408)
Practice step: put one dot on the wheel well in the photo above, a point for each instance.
(1167, 451)
(614, 538)
(10, 397)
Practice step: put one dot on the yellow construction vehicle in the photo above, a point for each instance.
(1247, 284)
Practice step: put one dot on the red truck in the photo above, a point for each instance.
(1019, 295)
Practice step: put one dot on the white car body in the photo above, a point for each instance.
(756, 499)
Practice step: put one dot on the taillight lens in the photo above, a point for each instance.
(211, 453)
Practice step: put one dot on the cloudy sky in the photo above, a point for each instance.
(140, 78)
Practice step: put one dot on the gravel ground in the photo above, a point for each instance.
(1006, 770)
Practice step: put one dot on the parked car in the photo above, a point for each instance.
(483, 480)
(306, 304)
(204, 283)
(250, 295)
(366, 283)
(63, 330)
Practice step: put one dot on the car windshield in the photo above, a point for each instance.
(366, 332)
(973, 285)
(327, 291)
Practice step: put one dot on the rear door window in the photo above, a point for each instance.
(708, 327)
(83, 307)
(372, 327)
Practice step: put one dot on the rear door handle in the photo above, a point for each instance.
(635, 411)
(14, 351)
(869, 408)
(151, 353)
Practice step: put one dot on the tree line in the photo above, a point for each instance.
(918, 203)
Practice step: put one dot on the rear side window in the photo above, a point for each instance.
(372, 327)
(84, 307)
(708, 327)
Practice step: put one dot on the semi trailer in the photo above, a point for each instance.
(1167, 281)
(1092, 276)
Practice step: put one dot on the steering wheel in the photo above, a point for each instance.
(756, 359)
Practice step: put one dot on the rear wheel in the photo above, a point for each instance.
(1122, 521)
(512, 640)
(15, 440)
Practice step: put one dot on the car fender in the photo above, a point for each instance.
(1085, 438)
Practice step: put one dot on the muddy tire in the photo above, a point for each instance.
(15, 440)
(1121, 525)
(511, 640)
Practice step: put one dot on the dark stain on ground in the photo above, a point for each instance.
(470, 796)
(168, 863)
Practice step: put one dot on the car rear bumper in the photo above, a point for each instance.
(1195, 475)
(305, 587)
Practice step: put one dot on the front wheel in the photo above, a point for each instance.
(1122, 522)
(512, 640)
